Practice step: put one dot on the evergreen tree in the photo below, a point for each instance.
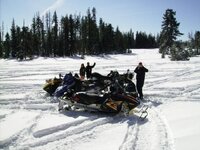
(49, 49)
(108, 38)
(26, 43)
(78, 34)
(55, 34)
(72, 35)
(178, 52)
(131, 40)
(94, 33)
(197, 42)
(7, 46)
(1, 44)
(13, 40)
(65, 33)
(101, 36)
(118, 38)
(89, 31)
(43, 41)
(169, 32)
(39, 26)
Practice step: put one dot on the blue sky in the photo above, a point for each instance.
(138, 15)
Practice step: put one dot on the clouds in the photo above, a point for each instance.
(53, 7)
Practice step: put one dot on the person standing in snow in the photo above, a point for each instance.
(88, 69)
(140, 71)
(82, 72)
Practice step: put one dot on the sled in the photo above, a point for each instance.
(107, 103)
(142, 112)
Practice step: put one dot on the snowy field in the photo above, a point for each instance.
(30, 120)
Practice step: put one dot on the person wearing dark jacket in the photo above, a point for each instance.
(140, 71)
(82, 72)
(88, 69)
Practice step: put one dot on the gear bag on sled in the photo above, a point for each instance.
(68, 82)
(51, 85)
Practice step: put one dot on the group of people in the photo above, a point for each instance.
(140, 71)
(86, 70)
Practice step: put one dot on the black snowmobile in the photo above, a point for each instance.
(115, 95)
(109, 103)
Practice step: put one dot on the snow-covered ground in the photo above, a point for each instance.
(30, 120)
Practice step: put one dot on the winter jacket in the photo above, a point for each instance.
(88, 70)
(82, 71)
(140, 71)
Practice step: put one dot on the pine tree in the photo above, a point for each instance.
(7, 46)
(197, 42)
(118, 38)
(169, 32)
(109, 38)
(83, 36)
(72, 35)
(78, 34)
(131, 40)
(94, 33)
(48, 43)
(1, 44)
(26, 43)
(37, 35)
(13, 40)
(101, 36)
(55, 34)
(65, 33)
(43, 41)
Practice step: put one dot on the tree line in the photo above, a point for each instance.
(71, 35)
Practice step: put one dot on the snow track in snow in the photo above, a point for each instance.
(131, 137)
(74, 131)
(139, 133)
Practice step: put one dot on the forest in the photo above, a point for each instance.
(71, 35)
(47, 36)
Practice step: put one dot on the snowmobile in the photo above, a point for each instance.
(106, 103)
(113, 93)
(110, 103)
(117, 96)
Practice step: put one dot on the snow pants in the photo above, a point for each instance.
(139, 86)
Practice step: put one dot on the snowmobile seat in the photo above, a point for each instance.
(88, 99)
